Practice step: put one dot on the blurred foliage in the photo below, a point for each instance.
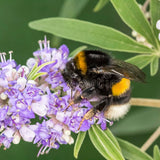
(17, 36)
(100, 4)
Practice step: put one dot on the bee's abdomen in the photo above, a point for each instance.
(121, 87)
(119, 106)
(115, 112)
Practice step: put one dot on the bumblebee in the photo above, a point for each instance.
(104, 80)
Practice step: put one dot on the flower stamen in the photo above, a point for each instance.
(4, 56)
(40, 45)
(10, 55)
(1, 57)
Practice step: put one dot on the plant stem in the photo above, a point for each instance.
(151, 139)
(145, 5)
(145, 102)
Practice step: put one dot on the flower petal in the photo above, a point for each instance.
(27, 134)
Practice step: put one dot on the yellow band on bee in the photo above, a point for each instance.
(121, 87)
(81, 64)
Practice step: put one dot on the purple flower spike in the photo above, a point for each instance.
(23, 97)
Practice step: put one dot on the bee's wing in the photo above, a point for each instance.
(129, 70)
(123, 69)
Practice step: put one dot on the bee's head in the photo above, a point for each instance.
(70, 74)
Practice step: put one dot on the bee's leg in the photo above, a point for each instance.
(86, 94)
(103, 104)
(72, 101)
(91, 113)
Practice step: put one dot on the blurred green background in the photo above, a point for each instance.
(15, 35)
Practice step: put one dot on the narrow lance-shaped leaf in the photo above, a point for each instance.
(132, 15)
(39, 75)
(34, 72)
(132, 152)
(77, 50)
(112, 138)
(100, 5)
(78, 144)
(154, 65)
(89, 33)
(33, 69)
(69, 9)
(155, 14)
(104, 144)
(156, 153)
(140, 61)
(96, 142)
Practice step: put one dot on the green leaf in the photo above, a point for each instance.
(132, 15)
(138, 122)
(77, 50)
(140, 61)
(104, 144)
(78, 144)
(96, 142)
(33, 69)
(39, 75)
(156, 153)
(132, 152)
(154, 65)
(100, 5)
(112, 138)
(72, 8)
(155, 14)
(34, 72)
(90, 33)
(69, 9)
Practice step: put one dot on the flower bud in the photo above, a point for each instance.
(3, 96)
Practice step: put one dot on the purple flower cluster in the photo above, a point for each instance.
(49, 97)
